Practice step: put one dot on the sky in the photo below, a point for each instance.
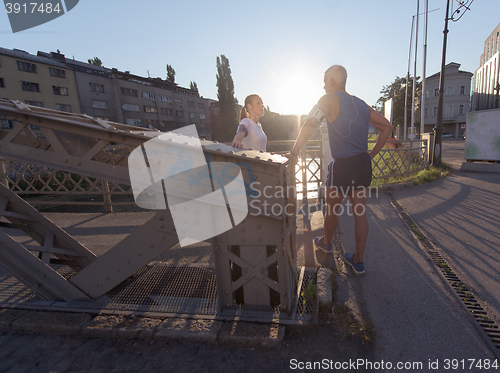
(277, 49)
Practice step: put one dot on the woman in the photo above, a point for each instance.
(249, 133)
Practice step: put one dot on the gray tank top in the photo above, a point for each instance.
(348, 133)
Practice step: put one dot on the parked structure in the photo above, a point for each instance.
(457, 86)
(486, 78)
(51, 80)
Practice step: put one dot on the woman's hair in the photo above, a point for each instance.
(248, 100)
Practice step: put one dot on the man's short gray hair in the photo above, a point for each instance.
(337, 73)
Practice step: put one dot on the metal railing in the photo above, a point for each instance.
(400, 158)
(46, 186)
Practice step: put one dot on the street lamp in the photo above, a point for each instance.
(438, 130)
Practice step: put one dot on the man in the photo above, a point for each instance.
(350, 173)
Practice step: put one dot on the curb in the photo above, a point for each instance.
(236, 333)
(398, 186)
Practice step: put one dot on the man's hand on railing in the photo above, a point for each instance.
(294, 157)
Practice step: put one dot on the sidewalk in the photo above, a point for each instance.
(414, 312)
(415, 315)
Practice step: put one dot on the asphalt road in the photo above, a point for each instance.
(461, 215)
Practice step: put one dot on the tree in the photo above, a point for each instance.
(396, 90)
(170, 74)
(95, 61)
(193, 86)
(228, 104)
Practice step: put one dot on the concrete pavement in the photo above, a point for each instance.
(415, 313)
(416, 316)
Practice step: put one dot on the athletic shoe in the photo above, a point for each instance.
(318, 242)
(358, 268)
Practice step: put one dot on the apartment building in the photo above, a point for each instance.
(457, 87)
(486, 77)
(113, 95)
(37, 81)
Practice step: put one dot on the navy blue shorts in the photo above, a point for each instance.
(347, 174)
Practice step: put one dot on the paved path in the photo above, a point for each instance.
(416, 317)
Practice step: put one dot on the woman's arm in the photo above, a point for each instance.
(240, 135)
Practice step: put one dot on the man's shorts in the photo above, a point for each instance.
(347, 174)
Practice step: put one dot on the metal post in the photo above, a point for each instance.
(438, 130)
(422, 105)
(413, 114)
(407, 80)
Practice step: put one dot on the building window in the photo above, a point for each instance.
(99, 88)
(25, 66)
(426, 113)
(192, 115)
(6, 123)
(461, 109)
(63, 107)
(148, 95)
(28, 86)
(434, 111)
(2, 84)
(201, 106)
(462, 90)
(168, 124)
(179, 113)
(99, 104)
(426, 94)
(449, 111)
(202, 116)
(190, 103)
(165, 98)
(436, 92)
(150, 109)
(133, 122)
(61, 91)
(131, 107)
(129, 92)
(151, 123)
(35, 103)
(178, 101)
(166, 111)
(450, 90)
(58, 73)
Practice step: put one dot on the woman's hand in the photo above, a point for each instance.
(238, 139)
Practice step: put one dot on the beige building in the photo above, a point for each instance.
(457, 86)
(486, 78)
(53, 81)
(37, 81)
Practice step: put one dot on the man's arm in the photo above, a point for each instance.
(308, 128)
(305, 133)
(378, 121)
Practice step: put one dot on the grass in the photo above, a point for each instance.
(424, 176)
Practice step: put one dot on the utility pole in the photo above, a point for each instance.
(438, 130)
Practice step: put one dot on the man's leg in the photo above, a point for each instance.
(358, 205)
(334, 198)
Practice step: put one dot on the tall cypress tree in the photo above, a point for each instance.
(228, 104)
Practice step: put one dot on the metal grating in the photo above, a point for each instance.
(160, 287)
(485, 321)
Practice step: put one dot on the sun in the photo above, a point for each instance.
(296, 90)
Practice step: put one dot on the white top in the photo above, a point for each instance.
(256, 138)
